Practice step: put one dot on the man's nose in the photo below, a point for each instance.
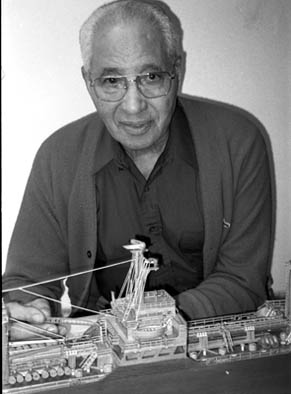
(133, 101)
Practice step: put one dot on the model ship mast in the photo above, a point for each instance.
(135, 281)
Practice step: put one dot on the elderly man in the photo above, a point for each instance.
(189, 177)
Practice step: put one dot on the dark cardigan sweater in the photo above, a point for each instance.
(56, 230)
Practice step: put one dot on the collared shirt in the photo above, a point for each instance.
(164, 211)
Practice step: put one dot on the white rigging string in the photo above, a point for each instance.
(25, 287)
(36, 330)
(65, 277)
(60, 302)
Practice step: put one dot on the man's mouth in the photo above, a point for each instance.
(135, 127)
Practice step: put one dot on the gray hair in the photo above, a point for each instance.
(156, 12)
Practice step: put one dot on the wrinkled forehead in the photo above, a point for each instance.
(128, 44)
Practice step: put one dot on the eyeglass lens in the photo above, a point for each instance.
(150, 85)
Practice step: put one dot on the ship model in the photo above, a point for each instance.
(141, 327)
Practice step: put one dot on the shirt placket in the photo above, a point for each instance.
(153, 228)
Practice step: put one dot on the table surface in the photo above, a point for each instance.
(266, 375)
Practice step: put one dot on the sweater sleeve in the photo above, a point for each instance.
(37, 250)
(238, 281)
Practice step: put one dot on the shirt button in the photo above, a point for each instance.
(89, 254)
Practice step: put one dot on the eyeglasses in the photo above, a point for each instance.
(150, 85)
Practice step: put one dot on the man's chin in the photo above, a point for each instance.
(137, 147)
(137, 142)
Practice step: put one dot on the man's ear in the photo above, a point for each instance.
(179, 66)
(83, 72)
(85, 76)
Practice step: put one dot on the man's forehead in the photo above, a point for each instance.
(124, 34)
(119, 26)
(124, 44)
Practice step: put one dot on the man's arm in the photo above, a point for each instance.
(37, 250)
(238, 281)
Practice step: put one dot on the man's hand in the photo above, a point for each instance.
(35, 312)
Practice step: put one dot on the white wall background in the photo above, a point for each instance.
(238, 51)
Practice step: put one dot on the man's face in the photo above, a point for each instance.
(129, 49)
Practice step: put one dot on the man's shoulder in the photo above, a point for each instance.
(219, 118)
(222, 123)
(220, 127)
(77, 130)
(71, 139)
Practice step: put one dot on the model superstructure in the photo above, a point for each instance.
(147, 324)
(141, 327)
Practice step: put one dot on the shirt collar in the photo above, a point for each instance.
(180, 144)
(104, 152)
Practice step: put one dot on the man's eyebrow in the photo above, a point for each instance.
(120, 71)
(151, 67)
(111, 71)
